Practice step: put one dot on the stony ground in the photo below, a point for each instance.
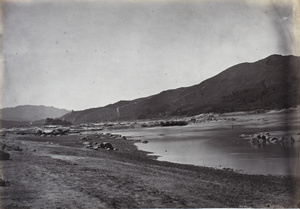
(58, 172)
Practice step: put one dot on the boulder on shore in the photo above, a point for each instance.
(106, 145)
(2, 183)
(4, 155)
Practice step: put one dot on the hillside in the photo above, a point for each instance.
(31, 113)
(11, 124)
(270, 83)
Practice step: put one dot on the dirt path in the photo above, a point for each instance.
(63, 174)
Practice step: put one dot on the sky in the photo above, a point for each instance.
(84, 54)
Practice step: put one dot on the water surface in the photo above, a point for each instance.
(223, 144)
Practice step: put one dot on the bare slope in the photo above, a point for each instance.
(266, 84)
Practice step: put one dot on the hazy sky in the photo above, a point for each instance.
(83, 54)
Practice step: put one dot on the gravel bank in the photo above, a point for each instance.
(59, 172)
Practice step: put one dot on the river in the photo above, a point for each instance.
(224, 143)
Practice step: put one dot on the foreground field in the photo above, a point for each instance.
(58, 172)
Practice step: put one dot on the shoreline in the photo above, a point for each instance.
(127, 178)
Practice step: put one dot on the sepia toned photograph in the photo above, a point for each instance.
(149, 104)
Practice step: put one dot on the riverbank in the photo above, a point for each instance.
(59, 172)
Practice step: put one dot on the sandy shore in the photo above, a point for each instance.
(58, 172)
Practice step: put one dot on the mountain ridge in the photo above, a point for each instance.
(269, 83)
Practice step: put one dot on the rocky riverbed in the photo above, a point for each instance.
(61, 172)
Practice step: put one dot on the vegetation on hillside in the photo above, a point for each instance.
(56, 121)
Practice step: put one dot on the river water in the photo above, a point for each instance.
(224, 144)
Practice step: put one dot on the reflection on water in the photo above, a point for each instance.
(220, 144)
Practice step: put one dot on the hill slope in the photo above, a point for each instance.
(266, 84)
(31, 113)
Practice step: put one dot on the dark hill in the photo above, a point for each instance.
(31, 113)
(271, 83)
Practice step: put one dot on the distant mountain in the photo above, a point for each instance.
(270, 83)
(31, 113)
